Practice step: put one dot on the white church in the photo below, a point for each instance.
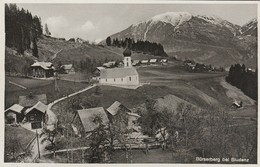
(121, 76)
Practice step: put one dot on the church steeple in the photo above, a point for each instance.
(127, 58)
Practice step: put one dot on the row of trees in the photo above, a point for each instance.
(211, 132)
(138, 46)
(22, 29)
(243, 79)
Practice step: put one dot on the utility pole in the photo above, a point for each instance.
(38, 146)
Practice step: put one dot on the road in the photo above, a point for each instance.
(34, 148)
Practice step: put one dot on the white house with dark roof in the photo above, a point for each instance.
(120, 76)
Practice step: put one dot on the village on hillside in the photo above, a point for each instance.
(127, 100)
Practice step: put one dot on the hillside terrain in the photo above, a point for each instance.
(65, 52)
(205, 39)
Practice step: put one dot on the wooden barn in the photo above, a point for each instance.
(42, 70)
(14, 114)
(36, 113)
(122, 116)
(86, 120)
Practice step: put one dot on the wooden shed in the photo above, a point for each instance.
(36, 113)
(14, 114)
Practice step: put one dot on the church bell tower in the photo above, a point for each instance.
(127, 58)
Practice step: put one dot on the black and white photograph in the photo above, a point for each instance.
(130, 82)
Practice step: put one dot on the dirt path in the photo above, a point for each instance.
(55, 55)
(13, 83)
(34, 146)
(71, 95)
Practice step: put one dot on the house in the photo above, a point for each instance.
(31, 100)
(144, 62)
(96, 72)
(36, 113)
(251, 70)
(122, 116)
(136, 63)
(164, 61)
(153, 61)
(68, 68)
(237, 104)
(109, 64)
(120, 76)
(87, 120)
(42, 69)
(14, 114)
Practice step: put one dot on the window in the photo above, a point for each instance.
(122, 79)
(127, 64)
(31, 118)
(114, 80)
(106, 80)
(129, 78)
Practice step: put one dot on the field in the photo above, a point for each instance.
(36, 86)
(17, 138)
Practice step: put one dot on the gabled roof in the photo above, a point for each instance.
(16, 108)
(44, 65)
(114, 108)
(28, 101)
(101, 68)
(117, 72)
(87, 117)
(67, 66)
(38, 106)
(117, 106)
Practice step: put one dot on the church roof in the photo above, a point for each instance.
(117, 72)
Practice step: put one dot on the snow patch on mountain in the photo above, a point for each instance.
(211, 19)
(173, 18)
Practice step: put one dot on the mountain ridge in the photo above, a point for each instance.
(173, 29)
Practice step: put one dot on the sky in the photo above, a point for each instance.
(95, 22)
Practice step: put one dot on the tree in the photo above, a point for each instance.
(49, 135)
(108, 41)
(98, 142)
(35, 48)
(47, 32)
